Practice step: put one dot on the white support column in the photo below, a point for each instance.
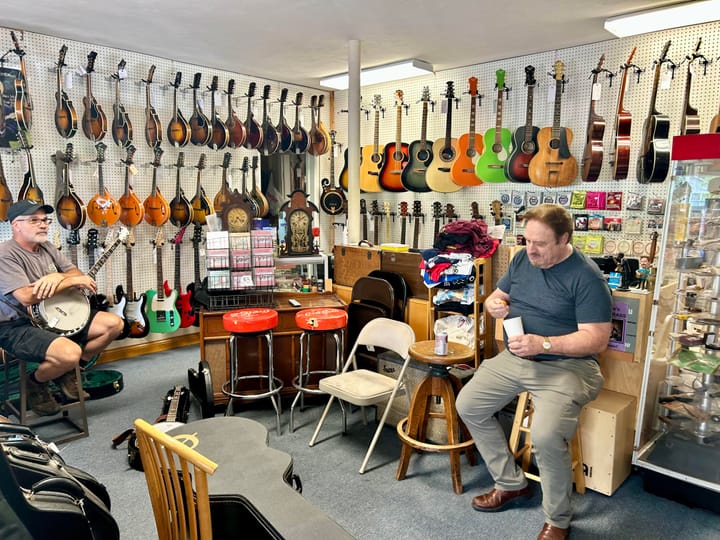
(353, 222)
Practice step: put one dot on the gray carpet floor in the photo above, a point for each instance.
(369, 506)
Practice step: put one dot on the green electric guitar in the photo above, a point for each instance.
(491, 165)
(161, 312)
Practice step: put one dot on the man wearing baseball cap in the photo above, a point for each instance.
(34, 270)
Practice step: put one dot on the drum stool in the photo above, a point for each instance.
(245, 324)
(27, 417)
(323, 322)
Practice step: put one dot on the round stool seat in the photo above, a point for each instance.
(250, 320)
(321, 319)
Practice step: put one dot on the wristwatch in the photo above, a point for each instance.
(546, 344)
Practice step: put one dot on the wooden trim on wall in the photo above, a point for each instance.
(131, 351)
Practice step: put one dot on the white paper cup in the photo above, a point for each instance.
(514, 326)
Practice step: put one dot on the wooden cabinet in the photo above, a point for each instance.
(252, 355)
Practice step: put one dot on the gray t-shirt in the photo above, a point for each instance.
(553, 301)
(21, 267)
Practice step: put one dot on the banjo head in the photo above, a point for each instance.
(66, 313)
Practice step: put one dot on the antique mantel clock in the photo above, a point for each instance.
(298, 225)
(237, 214)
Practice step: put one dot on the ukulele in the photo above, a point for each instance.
(69, 208)
(94, 121)
(332, 199)
(103, 209)
(417, 215)
(201, 206)
(200, 128)
(23, 101)
(222, 197)
(300, 138)
(554, 165)
(283, 129)
(419, 154)
(491, 165)
(153, 127)
(654, 157)
(438, 216)
(623, 125)
(395, 155)
(160, 309)
(254, 138)
(525, 144)
(469, 146)
(445, 151)
(690, 121)
(122, 131)
(364, 219)
(236, 129)
(6, 198)
(593, 152)
(182, 304)
(131, 209)
(178, 129)
(270, 138)
(220, 134)
(181, 211)
(29, 188)
(65, 115)
(376, 215)
(261, 202)
(403, 212)
(134, 308)
(157, 209)
(371, 160)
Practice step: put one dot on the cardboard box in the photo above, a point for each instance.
(606, 432)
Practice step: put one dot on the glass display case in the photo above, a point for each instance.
(677, 438)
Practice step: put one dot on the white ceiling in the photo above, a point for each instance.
(301, 41)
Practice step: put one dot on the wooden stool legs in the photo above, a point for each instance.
(521, 445)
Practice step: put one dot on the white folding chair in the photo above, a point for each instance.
(363, 387)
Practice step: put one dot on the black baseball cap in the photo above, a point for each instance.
(26, 207)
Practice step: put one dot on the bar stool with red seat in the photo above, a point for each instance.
(244, 324)
(323, 322)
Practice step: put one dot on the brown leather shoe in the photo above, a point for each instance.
(551, 532)
(498, 499)
(68, 385)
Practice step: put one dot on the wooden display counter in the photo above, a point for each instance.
(214, 345)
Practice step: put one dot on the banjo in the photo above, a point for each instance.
(67, 312)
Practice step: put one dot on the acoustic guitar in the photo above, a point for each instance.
(271, 137)
(160, 309)
(554, 165)
(65, 115)
(153, 127)
(690, 121)
(654, 156)
(69, 208)
(395, 154)
(445, 151)
(261, 202)
(6, 198)
(122, 131)
(103, 209)
(372, 155)
(283, 128)
(524, 143)
(420, 154)
(94, 121)
(132, 211)
(29, 188)
(491, 165)
(201, 205)
(23, 101)
(623, 126)
(254, 137)
(222, 197)
(178, 129)
(300, 135)
(593, 153)
(332, 198)
(220, 134)
(200, 127)
(181, 210)
(236, 129)
(182, 304)
(157, 209)
(470, 146)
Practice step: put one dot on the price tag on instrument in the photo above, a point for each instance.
(200, 103)
(80, 70)
(122, 74)
(218, 96)
(133, 169)
(665, 77)
(68, 80)
(596, 91)
(551, 93)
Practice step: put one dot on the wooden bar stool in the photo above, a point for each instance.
(438, 383)
(323, 322)
(521, 445)
(244, 324)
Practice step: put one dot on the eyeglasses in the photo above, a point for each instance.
(35, 221)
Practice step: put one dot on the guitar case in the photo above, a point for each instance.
(101, 383)
(200, 383)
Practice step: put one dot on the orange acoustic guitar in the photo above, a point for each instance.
(103, 209)
(157, 209)
(131, 208)
(470, 146)
(396, 154)
(371, 155)
(554, 165)
(593, 154)
(623, 125)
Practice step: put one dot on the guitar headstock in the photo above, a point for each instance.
(129, 240)
(17, 50)
(150, 75)
(450, 211)
(178, 238)
(197, 235)
(283, 95)
(251, 90)
(130, 155)
(196, 81)
(61, 57)
(399, 94)
(425, 94)
(321, 101)
(475, 210)
(120, 69)
(386, 209)
(437, 210)
(91, 62)
(100, 149)
(363, 207)
(472, 86)
(159, 240)
(122, 235)
(377, 102)
(530, 76)
(374, 210)
(69, 155)
(244, 166)
(213, 84)
(254, 164)
(299, 99)
(403, 209)
(73, 238)
(92, 239)
(500, 79)
(226, 160)
(313, 102)
(201, 162)
(450, 90)
(496, 211)
(178, 80)
(180, 160)
(559, 70)
(632, 55)
(231, 87)
(417, 209)
(598, 69)
(666, 48)
(266, 92)
(157, 152)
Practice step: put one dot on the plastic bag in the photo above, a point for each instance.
(460, 329)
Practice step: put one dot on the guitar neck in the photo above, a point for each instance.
(403, 229)
(423, 129)
(471, 133)
(529, 113)
(376, 136)
(416, 232)
(159, 290)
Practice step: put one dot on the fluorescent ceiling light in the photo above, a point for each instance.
(380, 74)
(653, 20)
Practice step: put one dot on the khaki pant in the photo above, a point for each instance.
(559, 390)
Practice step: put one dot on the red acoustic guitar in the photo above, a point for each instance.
(593, 154)
(623, 125)
(395, 154)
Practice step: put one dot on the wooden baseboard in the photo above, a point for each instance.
(131, 351)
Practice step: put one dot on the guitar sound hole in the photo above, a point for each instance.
(470, 152)
(423, 155)
(398, 156)
(447, 154)
(375, 158)
(555, 144)
(528, 147)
